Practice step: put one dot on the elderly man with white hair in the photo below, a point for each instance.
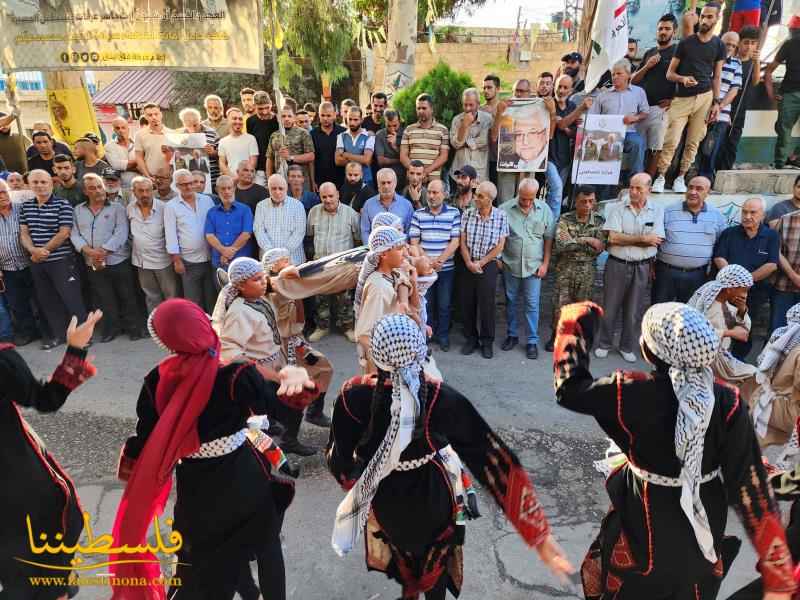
(184, 227)
(280, 221)
(191, 119)
(469, 135)
(100, 235)
(756, 247)
(484, 230)
(631, 102)
(149, 244)
(526, 258)
(387, 200)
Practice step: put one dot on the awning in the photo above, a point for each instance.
(139, 87)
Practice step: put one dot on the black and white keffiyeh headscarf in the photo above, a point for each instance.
(240, 270)
(398, 347)
(782, 341)
(387, 219)
(730, 276)
(380, 240)
(684, 339)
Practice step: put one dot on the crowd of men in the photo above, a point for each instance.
(124, 230)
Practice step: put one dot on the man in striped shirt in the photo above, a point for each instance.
(729, 87)
(45, 225)
(437, 230)
(426, 140)
(15, 273)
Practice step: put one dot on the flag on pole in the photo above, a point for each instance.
(609, 39)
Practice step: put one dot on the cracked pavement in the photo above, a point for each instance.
(515, 396)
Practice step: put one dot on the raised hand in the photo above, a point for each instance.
(78, 336)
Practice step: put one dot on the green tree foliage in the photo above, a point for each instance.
(377, 11)
(297, 80)
(322, 32)
(445, 87)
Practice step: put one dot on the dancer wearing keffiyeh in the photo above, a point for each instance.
(381, 289)
(775, 399)
(34, 485)
(723, 302)
(395, 445)
(193, 413)
(663, 537)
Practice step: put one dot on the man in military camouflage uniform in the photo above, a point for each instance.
(579, 239)
(295, 147)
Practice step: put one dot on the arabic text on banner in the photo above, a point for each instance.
(59, 35)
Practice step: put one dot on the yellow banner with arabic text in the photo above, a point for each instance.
(70, 108)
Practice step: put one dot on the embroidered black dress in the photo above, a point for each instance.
(33, 484)
(228, 508)
(646, 547)
(412, 534)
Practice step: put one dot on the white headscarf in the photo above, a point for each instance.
(782, 341)
(380, 240)
(398, 347)
(685, 340)
(730, 276)
(387, 219)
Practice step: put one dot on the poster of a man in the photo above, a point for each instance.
(188, 152)
(524, 137)
(598, 150)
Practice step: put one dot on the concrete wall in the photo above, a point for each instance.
(478, 59)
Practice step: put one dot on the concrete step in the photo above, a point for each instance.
(761, 181)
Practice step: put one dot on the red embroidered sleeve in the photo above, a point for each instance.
(74, 369)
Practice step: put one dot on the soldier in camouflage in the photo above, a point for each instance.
(579, 239)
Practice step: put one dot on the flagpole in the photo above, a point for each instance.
(276, 91)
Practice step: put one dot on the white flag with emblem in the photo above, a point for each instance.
(609, 39)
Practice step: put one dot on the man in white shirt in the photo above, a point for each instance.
(120, 153)
(184, 228)
(237, 146)
(149, 245)
(469, 135)
(280, 221)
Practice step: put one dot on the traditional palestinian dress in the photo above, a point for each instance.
(395, 445)
(775, 399)
(723, 316)
(33, 483)
(689, 451)
(786, 485)
(193, 415)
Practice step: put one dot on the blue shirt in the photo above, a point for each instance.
(227, 225)
(309, 200)
(737, 248)
(690, 239)
(435, 232)
(400, 206)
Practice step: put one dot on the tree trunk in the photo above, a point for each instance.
(401, 44)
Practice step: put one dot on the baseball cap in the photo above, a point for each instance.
(467, 170)
(110, 173)
(572, 56)
(92, 137)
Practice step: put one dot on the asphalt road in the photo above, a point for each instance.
(515, 395)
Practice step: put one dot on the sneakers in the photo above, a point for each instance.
(658, 185)
(318, 334)
(600, 352)
(679, 185)
(350, 334)
(628, 356)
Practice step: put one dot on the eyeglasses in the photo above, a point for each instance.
(528, 133)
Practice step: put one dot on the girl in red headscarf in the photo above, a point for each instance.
(193, 418)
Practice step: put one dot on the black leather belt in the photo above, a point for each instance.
(682, 269)
(630, 262)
